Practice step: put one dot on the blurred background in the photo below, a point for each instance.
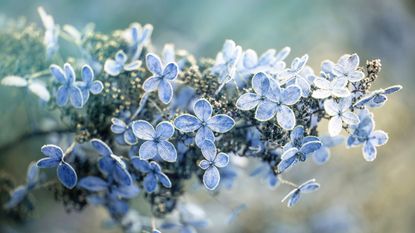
(355, 196)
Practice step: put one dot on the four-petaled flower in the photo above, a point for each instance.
(226, 61)
(270, 100)
(69, 90)
(121, 128)
(153, 172)
(347, 67)
(115, 67)
(19, 193)
(326, 88)
(251, 64)
(88, 83)
(377, 98)
(364, 133)
(55, 157)
(156, 144)
(161, 79)
(294, 196)
(298, 148)
(110, 164)
(138, 36)
(211, 163)
(204, 122)
(340, 113)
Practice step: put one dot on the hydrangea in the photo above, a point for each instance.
(88, 84)
(119, 127)
(68, 90)
(156, 140)
(340, 113)
(138, 37)
(377, 98)
(270, 100)
(110, 164)
(294, 196)
(154, 174)
(116, 66)
(226, 61)
(203, 122)
(298, 148)
(55, 158)
(347, 68)
(364, 133)
(251, 64)
(326, 88)
(161, 79)
(211, 163)
(19, 193)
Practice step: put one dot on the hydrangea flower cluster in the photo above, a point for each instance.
(151, 129)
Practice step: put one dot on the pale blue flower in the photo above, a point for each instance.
(88, 84)
(138, 37)
(51, 36)
(294, 196)
(300, 75)
(364, 133)
(270, 100)
(116, 66)
(339, 112)
(211, 163)
(110, 164)
(156, 140)
(153, 172)
(322, 155)
(19, 193)
(251, 64)
(68, 90)
(119, 127)
(347, 67)
(326, 88)
(168, 54)
(55, 158)
(204, 123)
(377, 98)
(298, 148)
(161, 79)
(226, 61)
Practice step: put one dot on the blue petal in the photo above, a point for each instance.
(97, 87)
(286, 118)
(126, 191)
(32, 175)
(52, 151)
(303, 85)
(294, 199)
(170, 71)
(221, 160)
(153, 64)
(129, 137)
(167, 151)
(261, 83)
(118, 126)
(62, 96)
(102, 148)
(143, 130)
(148, 150)
(87, 74)
(67, 175)
(106, 165)
(48, 162)
(121, 175)
(211, 178)
(288, 159)
(164, 130)
(16, 197)
(204, 133)
(221, 123)
(121, 57)
(69, 73)
(150, 183)
(297, 134)
(392, 89)
(58, 73)
(321, 155)
(208, 149)
(203, 109)
(165, 92)
(141, 165)
(204, 164)
(93, 183)
(151, 84)
(248, 101)
(112, 68)
(290, 95)
(265, 110)
(309, 186)
(76, 97)
(187, 123)
(310, 147)
(164, 180)
(369, 151)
